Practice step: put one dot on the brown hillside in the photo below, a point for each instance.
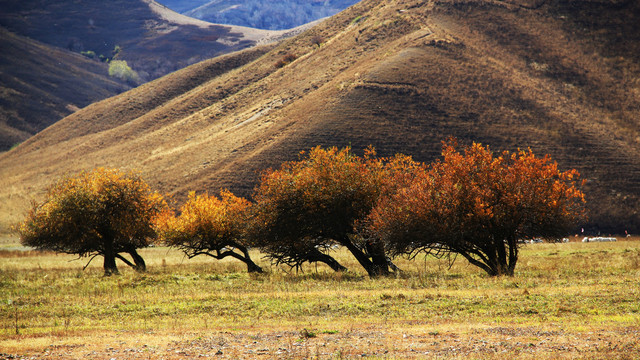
(558, 76)
(153, 39)
(41, 84)
(44, 77)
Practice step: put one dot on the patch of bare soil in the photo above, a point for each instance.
(488, 343)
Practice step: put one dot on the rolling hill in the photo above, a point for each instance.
(40, 84)
(558, 76)
(45, 77)
(151, 38)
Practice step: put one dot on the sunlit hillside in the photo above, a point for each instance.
(558, 76)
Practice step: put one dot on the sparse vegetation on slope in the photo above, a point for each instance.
(42, 84)
(144, 34)
(42, 80)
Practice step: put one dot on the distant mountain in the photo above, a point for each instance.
(558, 76)
(271, 15)
(54, 54)
(182, 6)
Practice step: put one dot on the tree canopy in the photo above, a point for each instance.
(104, 212)
(208, 225)
(307, 206)
(472, 203)
(480, 206)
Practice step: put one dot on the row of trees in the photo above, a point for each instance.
(471, 202)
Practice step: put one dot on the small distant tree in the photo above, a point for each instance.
(104, 212)
(285, 60)
(480, 206)
(211, 226)
(90, 54)
(308, 206)
(121, 70)
(317, 40)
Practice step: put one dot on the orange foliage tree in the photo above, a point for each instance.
(479, 206)
(104, 212)
(208, 225)
(304, 208)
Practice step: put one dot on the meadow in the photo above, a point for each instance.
(571, 300)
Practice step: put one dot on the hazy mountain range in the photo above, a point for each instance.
(271, 15)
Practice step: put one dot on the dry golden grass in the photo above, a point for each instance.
(566, 301)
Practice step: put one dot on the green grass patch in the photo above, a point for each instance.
(577, 287)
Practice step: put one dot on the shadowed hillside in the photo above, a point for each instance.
(41, 84)
(43, 80)
(558, 76)
(151, 38)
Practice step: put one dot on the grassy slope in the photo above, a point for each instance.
(153, 40)
(400, 75)
(570, 300)
(43, 81)
(42, 84)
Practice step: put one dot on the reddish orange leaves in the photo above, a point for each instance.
(309, 205)
(479, 205)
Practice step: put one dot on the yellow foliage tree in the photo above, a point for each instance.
(104, 212)
(208, 225)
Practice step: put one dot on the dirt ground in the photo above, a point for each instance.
(374, 342)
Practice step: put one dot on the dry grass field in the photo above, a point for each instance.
(570, 300)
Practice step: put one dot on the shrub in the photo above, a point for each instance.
(317, 40)
(211, 226)
(121, 70)
(90, 54)
(286, 59)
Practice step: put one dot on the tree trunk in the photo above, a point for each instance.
(483, 263)
(110, 267)
(251, 266)
(140, 265)
(245, 258)
(373, 269)
(379, 260)
(327, 259)
(513, 256)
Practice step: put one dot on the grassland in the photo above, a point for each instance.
(566, 301)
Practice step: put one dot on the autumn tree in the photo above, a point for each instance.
(212, 226)
(307, 206)
(104, 212)
(480, 206)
